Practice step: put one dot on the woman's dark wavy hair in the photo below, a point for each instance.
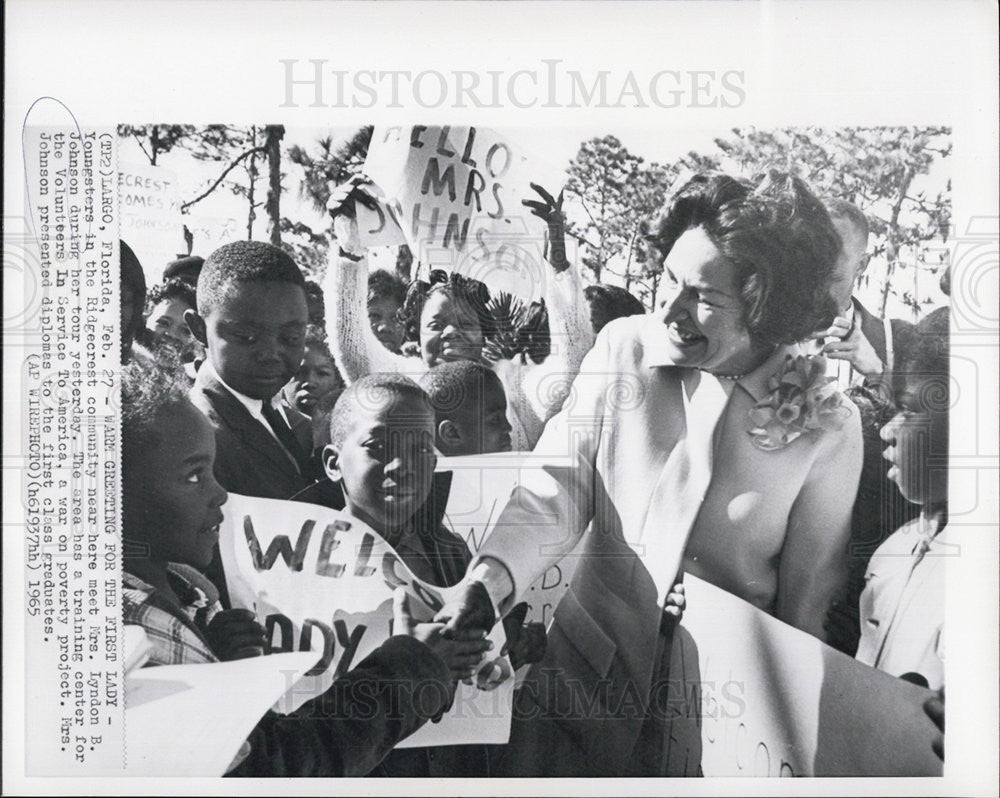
(777, 234)
(472, 292)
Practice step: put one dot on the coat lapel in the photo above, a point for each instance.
(240, 422)
(684, 479)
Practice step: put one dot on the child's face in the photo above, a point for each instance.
(484, 429)
(917, 445)
(449, 330)
(167, 324)
(386, 462)
(316, 377)
(256, 337)
(174, 503)
(384, 320)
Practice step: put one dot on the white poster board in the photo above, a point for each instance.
(151, 221)
(454, 195)
(209, 708)
(771, 700)
(320, 580)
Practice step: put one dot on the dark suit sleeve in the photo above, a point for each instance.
(349, 729)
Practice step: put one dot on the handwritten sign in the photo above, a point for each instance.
(322, 581)
(758, 697)
(454, 194)
(480, 488)
(149, 202)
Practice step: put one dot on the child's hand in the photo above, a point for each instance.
(235, 634)
(462, 651)
(342, 209)
(528, 646)
(550, 212)
(934, 708)
(525, 642)
(675, 603)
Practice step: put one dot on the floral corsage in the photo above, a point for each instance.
(802, 400)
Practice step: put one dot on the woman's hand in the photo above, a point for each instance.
(343, 211)
(550, 212)
(462, 651)
(235, 634)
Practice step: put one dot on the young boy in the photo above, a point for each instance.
(380, 468)
(171, 514)
(902, 605)
(470, 408)
(386, 294)
(316, 377)
(251, 318)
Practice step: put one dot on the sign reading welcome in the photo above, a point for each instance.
(319, 580)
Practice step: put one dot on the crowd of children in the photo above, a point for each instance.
(239, 377)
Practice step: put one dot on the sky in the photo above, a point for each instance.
(222, 216)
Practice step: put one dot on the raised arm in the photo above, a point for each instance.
(537, 391)
(813, 564)
(353, 344)
(355, 347)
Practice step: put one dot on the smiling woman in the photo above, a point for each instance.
(672, 475)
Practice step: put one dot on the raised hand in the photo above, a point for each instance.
(235, 634)
(675, 603)
(342, 209)
(550, 211)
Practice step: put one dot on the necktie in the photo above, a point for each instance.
(285, 436)
(684, 479)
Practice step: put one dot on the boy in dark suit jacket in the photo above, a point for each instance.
(251, 319)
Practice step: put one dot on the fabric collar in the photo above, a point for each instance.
(254, 406)
(193, 588)
(754, 383)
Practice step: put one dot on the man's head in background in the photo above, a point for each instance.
(917, 436)
(852, 227)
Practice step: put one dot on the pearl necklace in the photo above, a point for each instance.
(733, 377)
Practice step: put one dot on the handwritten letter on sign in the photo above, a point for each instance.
(481, 486)
(455, 194)
(322, 581)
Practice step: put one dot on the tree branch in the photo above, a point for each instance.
(139, 141)
(226, 171)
